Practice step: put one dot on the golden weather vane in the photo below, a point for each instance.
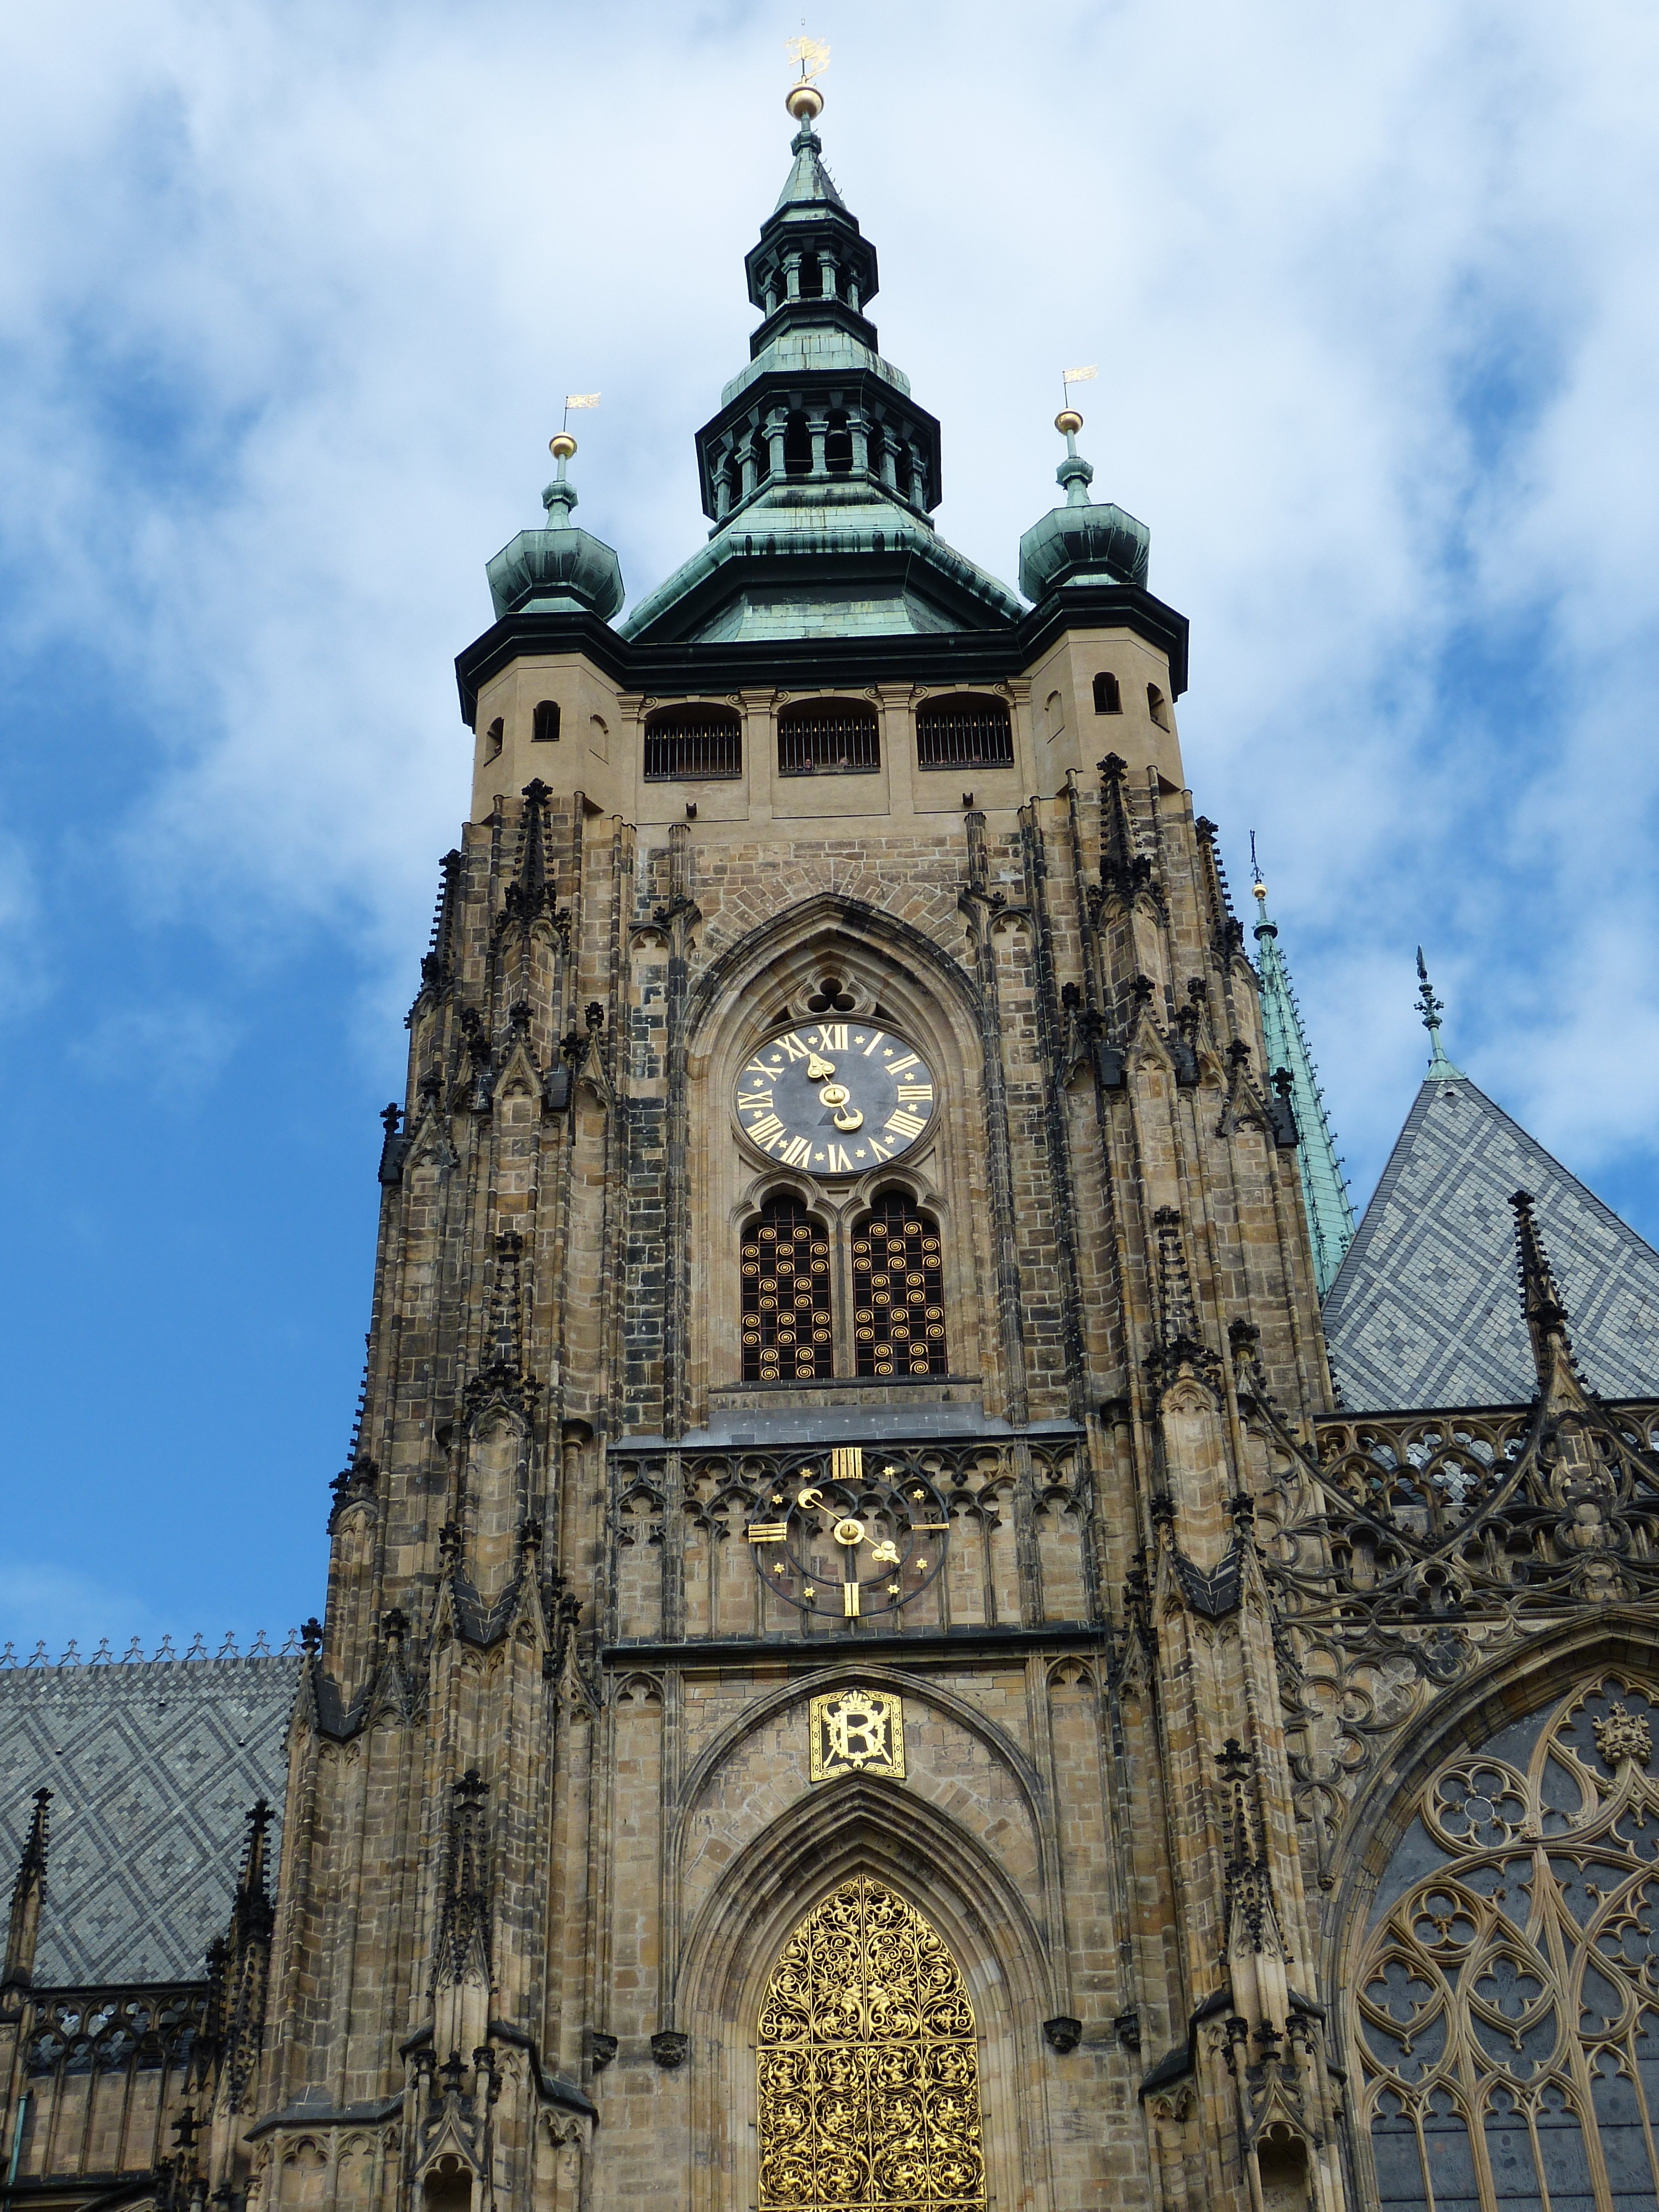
(804, 99)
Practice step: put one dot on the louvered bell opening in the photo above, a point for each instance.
(692, 745)
(964, 732)
(837, 739)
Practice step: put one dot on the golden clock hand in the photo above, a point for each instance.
(819, 1070)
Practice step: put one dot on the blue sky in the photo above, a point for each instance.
(288, 297)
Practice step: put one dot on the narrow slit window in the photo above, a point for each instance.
(787, 1330)
(544, 722)
(1108, 700)
(493, 739)
(1157, 706)
(898, 1291)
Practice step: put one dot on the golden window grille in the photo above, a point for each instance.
(786, 1334)
(868, 2065)
(898, 1294)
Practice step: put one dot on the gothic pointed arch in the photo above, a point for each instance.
(1501, 1970)
(867, 2090)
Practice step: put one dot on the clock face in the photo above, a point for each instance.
(835, 1097)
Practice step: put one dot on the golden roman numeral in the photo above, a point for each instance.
(751, 1101)
(839, 1162)
(797, 1152)
(766, 1130)
(911, 1060)
(832, 1036)
(904, 1124)
(792, 1045)
(924, 1091)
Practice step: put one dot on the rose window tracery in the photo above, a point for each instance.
(868, 2065)
(1507, 2003)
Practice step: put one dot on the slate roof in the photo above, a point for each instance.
(1426, 1310)
(152, 1767)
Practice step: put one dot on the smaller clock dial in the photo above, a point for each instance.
(835, 1097)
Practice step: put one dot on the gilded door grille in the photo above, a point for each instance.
(898, 1291)
(785, 1298)
(1507, 2001)
(869, 2071)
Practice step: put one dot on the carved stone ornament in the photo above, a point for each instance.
(669, 2048)
(1064, 2033)
(858, 1732)
(602, 2048)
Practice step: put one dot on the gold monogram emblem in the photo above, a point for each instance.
(858, 1732)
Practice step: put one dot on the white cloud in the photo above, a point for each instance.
(1374, 300)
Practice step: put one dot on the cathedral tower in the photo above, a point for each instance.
(838, 1187)
(864, 1669)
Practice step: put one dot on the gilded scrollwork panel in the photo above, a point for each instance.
(868, 2065)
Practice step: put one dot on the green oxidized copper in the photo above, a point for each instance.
(1324, 1190)
(819, 471)
(558, 570)
(1081, 543)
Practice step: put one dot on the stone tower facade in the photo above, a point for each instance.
(863, 1665)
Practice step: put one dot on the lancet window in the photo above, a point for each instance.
(1508, 1996)
(898, 1291)
(868, 2068)
(786, 1331)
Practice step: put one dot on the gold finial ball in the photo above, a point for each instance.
(1259, 889)
(805, 102)
(561, 445)
(1068, 421)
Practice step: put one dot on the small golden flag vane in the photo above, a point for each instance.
(804, 99)
(812, 54)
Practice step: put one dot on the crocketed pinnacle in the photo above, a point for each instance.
(1324, 1188)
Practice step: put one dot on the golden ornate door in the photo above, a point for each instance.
(869, 2069)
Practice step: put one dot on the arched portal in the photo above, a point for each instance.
(868, 2066)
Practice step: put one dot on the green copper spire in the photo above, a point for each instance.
(1080, 542)
(1324, 1191)
(560, 570)
(819, 473)
(1441, 1070)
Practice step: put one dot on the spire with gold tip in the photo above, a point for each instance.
(560, 569)
(1081, 543)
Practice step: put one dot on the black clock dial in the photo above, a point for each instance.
(849, 1548)
(835, 1097)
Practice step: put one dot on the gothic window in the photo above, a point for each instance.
(1156, 706)
(692, 744)
(544, 722)
(868, 2069)
(964, 730)
(493, 737)
(1507, 1996)
(1108, 700)
(898, 1291)
(786, 1297)
(829, 737)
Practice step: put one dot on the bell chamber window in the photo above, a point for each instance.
(898, 1291)
(867, 2065)
(966, 730)
(1507, 1996)
(786, 1332)
(692, 744)
(1108, 700)
(544, 722)
(829, 737)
